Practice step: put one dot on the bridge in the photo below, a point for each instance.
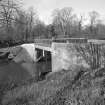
(64, 53)
(56, 50)
(67, 53)
(46, 44)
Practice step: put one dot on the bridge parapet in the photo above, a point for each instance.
(44, 41)
(71, 40)
(69, 53)
(61, 40)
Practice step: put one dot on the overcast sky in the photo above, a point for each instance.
(45, 7)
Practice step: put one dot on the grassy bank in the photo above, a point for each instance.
(73, 87)
(77, 86)
(38, 91)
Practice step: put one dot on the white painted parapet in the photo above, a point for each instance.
(27, 53)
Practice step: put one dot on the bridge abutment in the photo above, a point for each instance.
(65, 56)
(68, 54)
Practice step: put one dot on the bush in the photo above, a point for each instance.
(92, 53)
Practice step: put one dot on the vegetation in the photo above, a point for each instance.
(80, 86)
(18, 25)
(39, 91)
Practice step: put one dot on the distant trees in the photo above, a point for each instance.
(8, 11)
(95, 28)
(15, 23)
(31, 21)
(93, 21)
(40, 30)
(80, 23)
(24, 25)
(64, 20)
(19, 24)
(100, 29)
(67, 24)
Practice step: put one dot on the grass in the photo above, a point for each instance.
(37, 92)
(74, 87)
(86, 90)
(79, 86)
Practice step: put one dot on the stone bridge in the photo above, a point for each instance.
(60, 51)
(64, 53)
(68, 53)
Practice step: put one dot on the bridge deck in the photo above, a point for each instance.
(42, 46)
(45, 44)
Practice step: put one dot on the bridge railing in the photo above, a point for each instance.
(71, 40)
(44, 41)
(61, 40)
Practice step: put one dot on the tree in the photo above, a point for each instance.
(63, 20)
(8, 12)
(80, 23)
(93, 21)
(28, 19)
(32, 19)
(101, 29)
(20, 26)
(40, 30)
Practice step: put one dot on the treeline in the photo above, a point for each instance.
(17, 24)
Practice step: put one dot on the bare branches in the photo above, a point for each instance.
(8, 12)
(64, 19)
(93, 21)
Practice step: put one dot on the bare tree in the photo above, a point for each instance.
(93, 21)
(20, 26)
(40, 30)
(32, 17)
(80, 23)
(63, 19)
(101, 28)
(8, 12)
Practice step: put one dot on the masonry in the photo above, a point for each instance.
(68, 54)
(62, 52)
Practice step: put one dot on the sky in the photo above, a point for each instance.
(45, 7)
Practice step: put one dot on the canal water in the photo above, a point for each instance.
(17, 72)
